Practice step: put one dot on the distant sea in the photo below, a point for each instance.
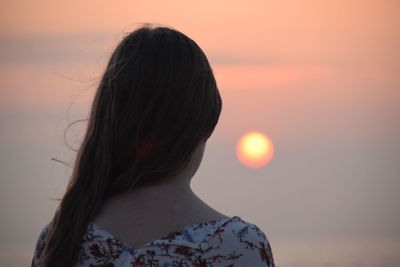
(343, 252)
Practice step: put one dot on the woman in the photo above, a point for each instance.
(129, 201)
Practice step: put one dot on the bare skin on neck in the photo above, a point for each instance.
(150, 212)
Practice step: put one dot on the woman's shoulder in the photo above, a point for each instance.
(243, 228)
(242, 242)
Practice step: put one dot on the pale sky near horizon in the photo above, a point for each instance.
(320, 78)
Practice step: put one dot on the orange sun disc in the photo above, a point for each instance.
(254, 149)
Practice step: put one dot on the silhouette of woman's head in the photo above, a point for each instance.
(156, 102)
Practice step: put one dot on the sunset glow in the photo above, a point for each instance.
(254, 149)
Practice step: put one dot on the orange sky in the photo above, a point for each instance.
(264, 43)
(260, 30)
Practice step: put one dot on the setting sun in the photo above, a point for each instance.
(254, 149)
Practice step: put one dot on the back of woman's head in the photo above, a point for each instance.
(156, 101)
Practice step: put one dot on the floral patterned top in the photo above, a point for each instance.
(226, 242)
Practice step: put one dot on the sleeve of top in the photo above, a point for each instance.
(241, 244)
(40, 246)
(262, 252)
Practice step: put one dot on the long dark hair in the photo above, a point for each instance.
(156, 101)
